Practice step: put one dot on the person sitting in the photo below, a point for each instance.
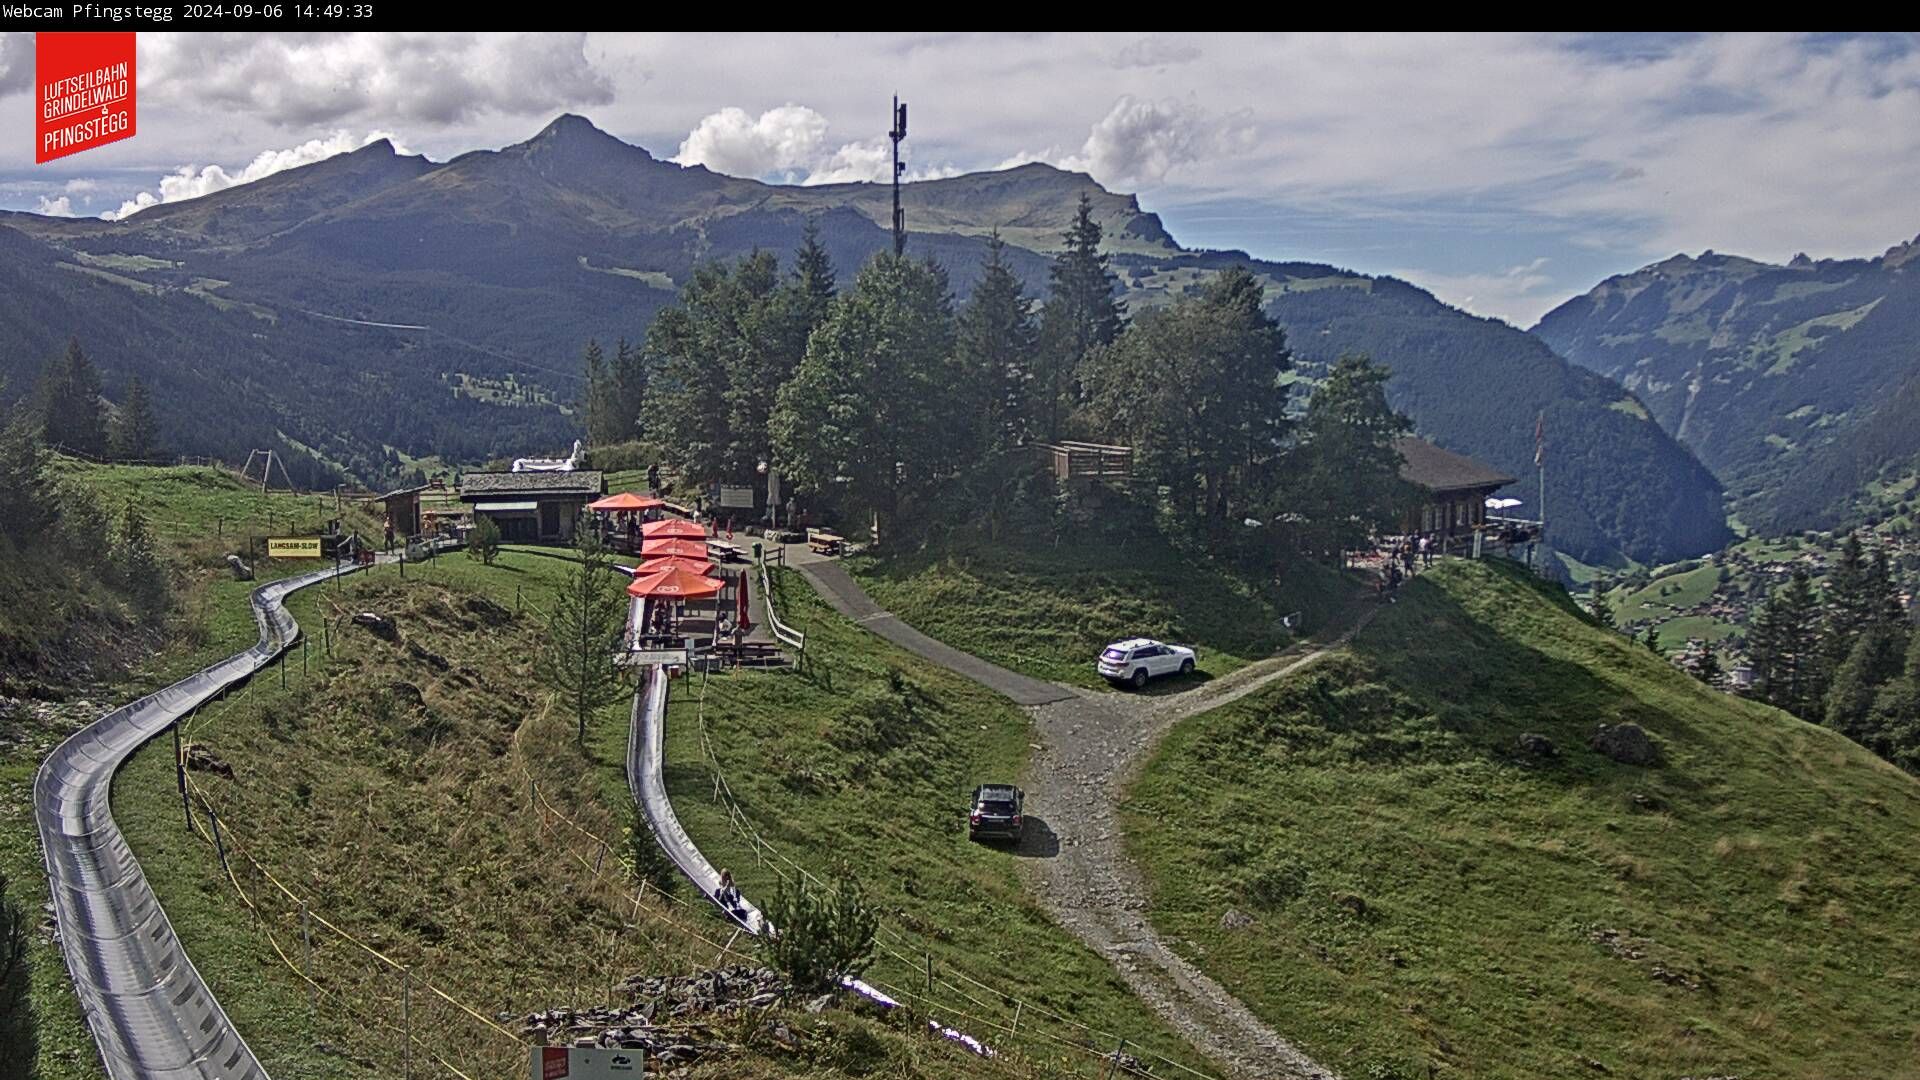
(727, 894)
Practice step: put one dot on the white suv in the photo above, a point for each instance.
(1136, 660)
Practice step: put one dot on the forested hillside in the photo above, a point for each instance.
(1786, 380)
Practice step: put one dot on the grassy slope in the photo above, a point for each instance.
(1047, 609)
(358, 799)
(182, 504)
(886, 795)
(1426, 899)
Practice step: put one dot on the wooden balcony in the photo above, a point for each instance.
(1088, 461)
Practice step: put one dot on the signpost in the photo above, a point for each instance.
(644, 657)
(735, 497)
(584, 1063)
(293, 547)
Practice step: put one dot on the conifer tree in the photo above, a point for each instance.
(19, 1036)
(136, 434)
(1783, 644)
(1600, 608)
(1083, 313)
(994, 351)
(582, 634)
(70, 404)
(813, 280)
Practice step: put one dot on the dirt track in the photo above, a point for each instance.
(1092, 745)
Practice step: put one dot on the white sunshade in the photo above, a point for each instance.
(1502, 504)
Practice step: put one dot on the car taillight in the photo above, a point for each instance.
(974, 817)
(1016, 819)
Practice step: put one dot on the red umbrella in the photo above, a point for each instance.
(674, 583)
(690, 549)
(672, 527)
(626, 500)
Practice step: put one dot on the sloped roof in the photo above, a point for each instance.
(585, 482)
(1443, 470)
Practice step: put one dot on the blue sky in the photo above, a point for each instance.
(1503, 172)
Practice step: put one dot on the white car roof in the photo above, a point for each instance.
(1133, 643)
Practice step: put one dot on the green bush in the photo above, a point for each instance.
(645, 861)
(822, 936)
(483, 542)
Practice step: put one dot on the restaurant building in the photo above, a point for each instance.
(532, 507)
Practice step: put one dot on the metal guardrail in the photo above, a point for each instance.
(149, 1010)
(784, 634)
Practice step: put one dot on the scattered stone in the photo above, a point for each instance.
(1536, 745)
(378, 625)
(201, 759)
(241, 571)
(665, 1019)
(820, 1004)
(1235, 919)
(1627, 744)
(487, 611)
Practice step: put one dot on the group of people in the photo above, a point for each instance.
(1399, 559)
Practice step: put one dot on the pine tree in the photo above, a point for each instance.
(994, 350)
(598, 401)
(1876, 659)
(582, 634)
(812, 280)
(1784, 645)
(19, 1037)
(1083, 313)
(1708, 670)
(139, 566)
(136, 434)
(70, 404)
(1344, 475)
(825, 935)
(628, 394)
(25, 511)
(1600, 608)
(867, 416)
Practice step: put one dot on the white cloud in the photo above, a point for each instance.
(778, 140)
(300, 80)
(188, 183)
(790, 144)
(1156, 51)
(60, 207)
(16, 63)
(1518, 294)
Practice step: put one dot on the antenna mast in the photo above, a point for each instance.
(899, 216)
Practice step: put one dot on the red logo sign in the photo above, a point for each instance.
(83, 87)
(553, 1062)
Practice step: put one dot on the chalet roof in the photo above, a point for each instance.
(583, 482)
(1443, 470)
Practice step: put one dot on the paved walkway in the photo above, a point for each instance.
(1093, 743)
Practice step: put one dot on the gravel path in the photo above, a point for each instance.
(1093, 744)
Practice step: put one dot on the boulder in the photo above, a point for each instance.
(378, 625)
(1627, 744)
(1536, 745)
(201, 759)
(1235, 919)
(241, 571)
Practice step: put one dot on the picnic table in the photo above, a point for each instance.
(824, 542)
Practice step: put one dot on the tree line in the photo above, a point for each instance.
(890, 402)
(1844, 655)
(72, 415)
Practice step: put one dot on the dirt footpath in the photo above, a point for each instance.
(1092, 746)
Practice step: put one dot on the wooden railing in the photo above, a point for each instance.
(1082, 460)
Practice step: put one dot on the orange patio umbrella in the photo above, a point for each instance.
(672, 527)
(689, 549)
(662, 562)
(626, 500)
(674, 583)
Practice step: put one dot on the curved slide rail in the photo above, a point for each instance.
(147, 1006)
(645, 776)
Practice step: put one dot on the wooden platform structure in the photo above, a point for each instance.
(1088, 461)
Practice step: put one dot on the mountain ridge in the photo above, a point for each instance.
(513, 257)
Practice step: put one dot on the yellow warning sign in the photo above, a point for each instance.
(293, 547)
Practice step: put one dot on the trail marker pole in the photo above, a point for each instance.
(406, 1015)
(1114, 1061)
(283, 669)
(929, 957)
(180, 773)
(218, 845)
(306, 935)
(1017, 1005)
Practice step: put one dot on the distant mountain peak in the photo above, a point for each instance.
(1901, 254)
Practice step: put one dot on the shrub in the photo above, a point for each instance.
(645, 861)
(822, 935)
(483, 542)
